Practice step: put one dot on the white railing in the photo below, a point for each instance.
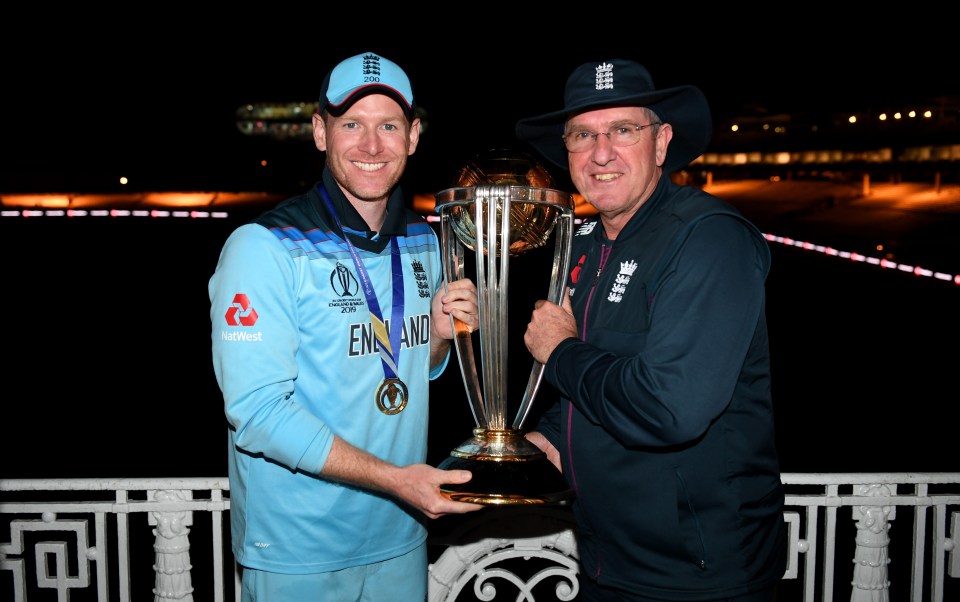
(120, 539)
(50, 546)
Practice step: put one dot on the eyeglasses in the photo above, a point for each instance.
(579, 141)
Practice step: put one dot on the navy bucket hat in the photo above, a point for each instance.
(624, 83)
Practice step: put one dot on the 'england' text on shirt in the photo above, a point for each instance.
(363, 341)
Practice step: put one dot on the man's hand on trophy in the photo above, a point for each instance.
(537, 438)
(549, 324)
(419, 486)
(457, 299)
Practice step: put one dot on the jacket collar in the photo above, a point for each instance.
(648, 208)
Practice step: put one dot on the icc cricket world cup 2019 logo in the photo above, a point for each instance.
(343, 281)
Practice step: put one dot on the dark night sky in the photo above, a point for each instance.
(154, 97)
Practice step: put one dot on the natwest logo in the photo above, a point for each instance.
(241, 313)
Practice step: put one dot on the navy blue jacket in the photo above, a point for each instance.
(665, 425)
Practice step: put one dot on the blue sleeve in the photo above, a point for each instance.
(255, 338)
(435, 371)
(702, 320)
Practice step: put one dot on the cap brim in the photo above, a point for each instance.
(340, 109)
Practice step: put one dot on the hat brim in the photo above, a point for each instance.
(685, 108)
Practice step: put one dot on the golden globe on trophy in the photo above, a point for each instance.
(502, 206)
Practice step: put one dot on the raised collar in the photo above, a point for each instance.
(394, 223)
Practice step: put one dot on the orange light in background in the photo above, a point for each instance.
(581, 208)
(47, 201)
(179, 199)
(138, 200)
(426, 204)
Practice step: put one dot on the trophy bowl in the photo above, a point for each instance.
(501, 207)
(531, 223)
(530, 226)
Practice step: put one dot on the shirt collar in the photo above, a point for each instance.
(394, 223)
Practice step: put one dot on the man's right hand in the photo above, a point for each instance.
(419, 486)
(546, 447)
(549, 325)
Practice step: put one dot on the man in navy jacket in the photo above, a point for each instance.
(665, 426)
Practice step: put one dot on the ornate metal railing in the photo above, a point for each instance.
(122, 539)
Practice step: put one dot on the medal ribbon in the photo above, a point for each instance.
(389, 343)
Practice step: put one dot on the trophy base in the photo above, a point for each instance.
(507, 470)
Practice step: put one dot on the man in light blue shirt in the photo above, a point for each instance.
(330, 317)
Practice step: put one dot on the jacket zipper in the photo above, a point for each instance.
(605, 252)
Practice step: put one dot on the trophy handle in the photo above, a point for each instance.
(563, 240)
(454, 270)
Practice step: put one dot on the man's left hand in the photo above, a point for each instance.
(459, 300)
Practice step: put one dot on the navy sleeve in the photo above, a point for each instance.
(549, 424)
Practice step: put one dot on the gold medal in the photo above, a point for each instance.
(392, 396)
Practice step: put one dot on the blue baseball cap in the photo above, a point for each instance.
(363, 74)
